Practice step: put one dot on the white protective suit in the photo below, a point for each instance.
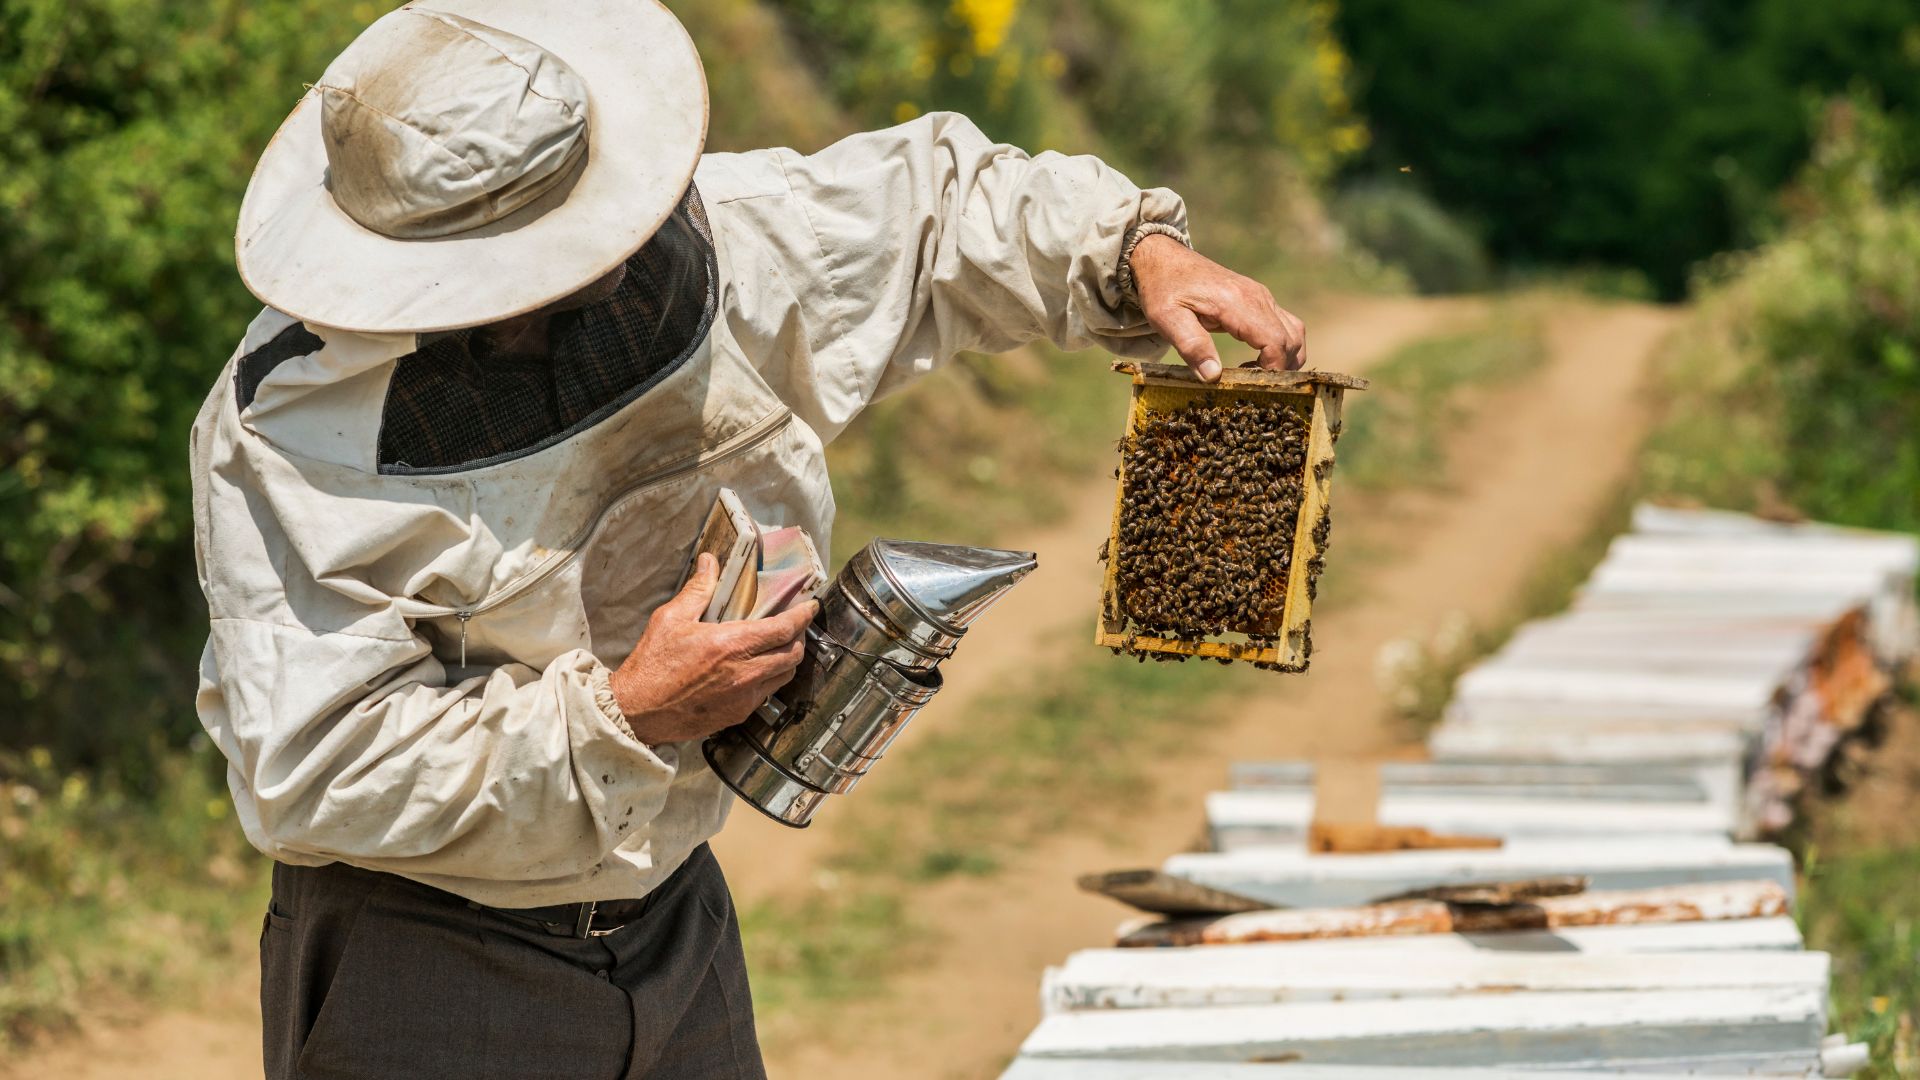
(342, 598)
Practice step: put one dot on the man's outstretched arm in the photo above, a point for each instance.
(933, 239)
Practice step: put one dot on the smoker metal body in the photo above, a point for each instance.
(872, 661)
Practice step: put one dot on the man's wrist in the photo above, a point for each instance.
(1139, 236)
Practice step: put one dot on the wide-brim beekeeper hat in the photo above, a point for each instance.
(466, 161)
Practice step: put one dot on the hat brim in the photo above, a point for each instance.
(646, 123)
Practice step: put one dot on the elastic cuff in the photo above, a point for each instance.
(1128, 291)
(602, 682)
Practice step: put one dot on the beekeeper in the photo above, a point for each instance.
(518, 330)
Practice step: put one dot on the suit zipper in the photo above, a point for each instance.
(762, 431)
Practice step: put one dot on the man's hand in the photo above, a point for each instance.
(1186, 296)
(686, 679)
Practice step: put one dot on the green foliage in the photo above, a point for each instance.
(1861, 906)
(1395, 435)
(1836, 329)
(1798, 386)
(101, 891)
(1404, 228)
(1241, 104)
(127, 131)
(1648, 134)
(985, 445)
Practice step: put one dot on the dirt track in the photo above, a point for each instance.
(1540, 460)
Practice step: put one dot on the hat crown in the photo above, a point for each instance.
(435, 124)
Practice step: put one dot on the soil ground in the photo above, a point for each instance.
(1526, 478)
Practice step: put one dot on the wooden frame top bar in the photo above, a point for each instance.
(1250, 378)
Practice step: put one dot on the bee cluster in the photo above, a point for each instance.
(1210, 500)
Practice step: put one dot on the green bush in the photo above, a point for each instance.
(1241, 104)
(1649, 134)
(103, 890)
(1404, 228)
(1832, 319)
(127, 131)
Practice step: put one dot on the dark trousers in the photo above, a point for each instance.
(370, 976)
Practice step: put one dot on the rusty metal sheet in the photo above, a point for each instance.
(1711, 901)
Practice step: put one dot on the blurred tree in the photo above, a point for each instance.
(1647, 134)
(1832, 314)
(127, 130)
(1241, 104)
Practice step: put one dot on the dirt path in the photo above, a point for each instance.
(1543, 457)
(1539, 463)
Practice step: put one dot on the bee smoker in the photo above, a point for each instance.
(873, 653)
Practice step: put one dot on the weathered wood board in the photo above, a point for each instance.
(1152, 890)
(1606, 1029)
(1725, 935)
(1475, 780)
(1623, 742)
(1231, 975)
(1237, 819)
(1108, 1069)
(1287, 878)
(1707, 902)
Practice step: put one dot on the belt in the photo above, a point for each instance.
(588, 919)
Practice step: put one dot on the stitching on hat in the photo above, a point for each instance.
(415, 128)
(435, 15)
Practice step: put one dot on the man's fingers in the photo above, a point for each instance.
(776, 666)
(1182, 329)
(691, 601)
(1261, 323)
(759, 636)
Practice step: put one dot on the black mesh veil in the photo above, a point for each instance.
(455, 403)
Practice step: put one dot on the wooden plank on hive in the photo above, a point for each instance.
(1238, 376)
(1461, 737)
(1572, 717)
(1707, 902)
(1731, 935)
(1152, 890)
(1201, 978)
(1349, 837)
(1108, 1069)
(1714, 1029)
(1285, 877)
(1237, 819)
(1442, 779)
(1592, 686)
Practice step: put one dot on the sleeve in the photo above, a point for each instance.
(933, 240)
(351, 747)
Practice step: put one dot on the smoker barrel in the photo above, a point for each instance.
(889, 618)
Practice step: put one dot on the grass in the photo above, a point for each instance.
(1861, 902)
(101, 894)
(982, 446)
(1397, 432)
